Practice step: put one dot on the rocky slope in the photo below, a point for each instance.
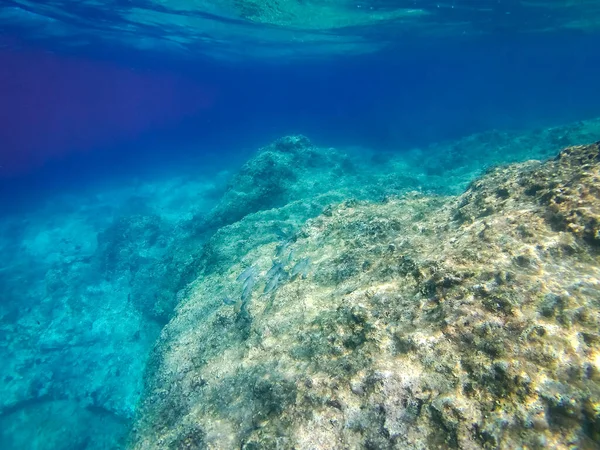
(415, 322)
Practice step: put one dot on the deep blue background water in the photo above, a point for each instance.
(418, 93)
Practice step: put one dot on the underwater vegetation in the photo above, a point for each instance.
(427, 321)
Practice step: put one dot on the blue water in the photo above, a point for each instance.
(410, 97)
(90, 237)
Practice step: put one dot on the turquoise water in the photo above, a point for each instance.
(126, 128)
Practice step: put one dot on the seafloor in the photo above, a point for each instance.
(320, 298)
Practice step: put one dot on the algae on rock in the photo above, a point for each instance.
(426, 322)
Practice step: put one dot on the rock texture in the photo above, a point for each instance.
(423, 322)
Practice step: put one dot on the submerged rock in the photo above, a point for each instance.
(427, 322)
(276, 175)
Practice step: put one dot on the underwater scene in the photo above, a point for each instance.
(299, 224)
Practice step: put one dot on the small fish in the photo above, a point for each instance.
(248, 286)
(280, 249)
(281, 234)
(290, 256)
(301, 267)
(229, 301)
(275, 275)
(246, 273)
(273, 283)
(250, 281)
(277, 267)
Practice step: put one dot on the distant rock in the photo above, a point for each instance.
(284, 170)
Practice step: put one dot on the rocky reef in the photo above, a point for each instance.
(317, 284)
(417, 321)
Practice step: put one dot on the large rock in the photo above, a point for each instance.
(290, 168)
(423, 322)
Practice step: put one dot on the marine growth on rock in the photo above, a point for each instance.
(428, 322)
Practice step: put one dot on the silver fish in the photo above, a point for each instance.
(273, 283)
(277, 267)
(290, 256)
(301, 267)
(281, 248)
(248, 286)
(250, 271)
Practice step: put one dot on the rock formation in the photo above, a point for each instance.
(417, 322)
